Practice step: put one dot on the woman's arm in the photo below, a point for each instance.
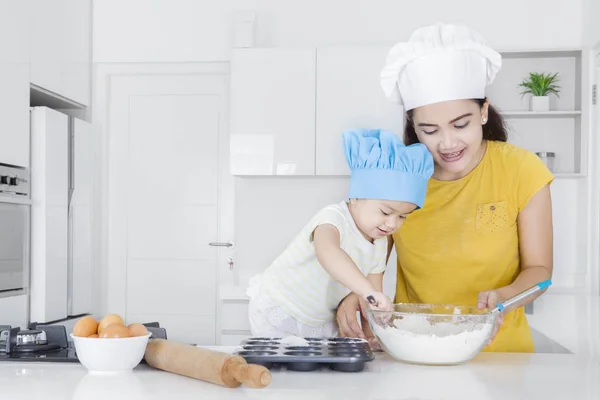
(535, 246)
(337, 262)
(534, 224)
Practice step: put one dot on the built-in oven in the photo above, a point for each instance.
(15, 210)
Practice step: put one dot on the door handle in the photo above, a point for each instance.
(221, 244)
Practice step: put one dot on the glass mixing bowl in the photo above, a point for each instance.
(432, 334)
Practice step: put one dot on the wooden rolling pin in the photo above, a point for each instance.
(207, 365)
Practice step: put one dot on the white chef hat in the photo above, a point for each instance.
(438, 63)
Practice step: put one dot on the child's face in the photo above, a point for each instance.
(379, 218)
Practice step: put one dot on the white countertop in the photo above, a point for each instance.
(571, 321)
(488, 376)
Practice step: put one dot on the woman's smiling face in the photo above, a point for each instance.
(452, 131)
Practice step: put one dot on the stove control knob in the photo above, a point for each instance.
(3, 180)
(14, 181)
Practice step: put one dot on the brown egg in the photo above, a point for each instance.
(95, 335)
(115, 331)
(110, 319)
(136, 329)
(86, 326)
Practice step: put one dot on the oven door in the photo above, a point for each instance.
(14, 246)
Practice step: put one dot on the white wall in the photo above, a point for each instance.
(199, 30)
(591, 22)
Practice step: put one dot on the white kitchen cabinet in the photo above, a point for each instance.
(14, 83)
(61, 48)
(349, 96)
(273, 111)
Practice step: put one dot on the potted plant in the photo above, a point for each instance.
(540, 86)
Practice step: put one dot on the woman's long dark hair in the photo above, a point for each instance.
(494, 128)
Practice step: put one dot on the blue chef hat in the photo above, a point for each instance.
(383, 168)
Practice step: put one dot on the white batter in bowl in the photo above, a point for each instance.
(432, 334)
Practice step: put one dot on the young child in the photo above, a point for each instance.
(343, 248)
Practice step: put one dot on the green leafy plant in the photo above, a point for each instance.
(540, 84)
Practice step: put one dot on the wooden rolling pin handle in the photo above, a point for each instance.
(204, 364)
(236, 370)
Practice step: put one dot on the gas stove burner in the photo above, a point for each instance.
(34, 341)
(31, 337)
(35, 348)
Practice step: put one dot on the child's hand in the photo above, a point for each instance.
(379, 301)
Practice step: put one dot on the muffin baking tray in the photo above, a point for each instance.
(339, 354)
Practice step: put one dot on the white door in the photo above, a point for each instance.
(163, 180)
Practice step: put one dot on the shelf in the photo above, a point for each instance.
(540, 53)
(569, 175)
(541, 114)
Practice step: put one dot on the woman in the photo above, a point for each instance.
(484, 233)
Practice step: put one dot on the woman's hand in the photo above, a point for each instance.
(489, 299)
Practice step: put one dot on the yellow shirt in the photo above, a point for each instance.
(465, 238)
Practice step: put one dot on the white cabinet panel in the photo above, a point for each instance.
(49, 214)
(80, 219)
(14, 83)
(273, 112)
(234, 323)
(349, 96)
(47, 47)
(233, 339)
(14, 311)
(234, 316)
(14, 30)
(77, 56)
(14, 114)
(61, 47)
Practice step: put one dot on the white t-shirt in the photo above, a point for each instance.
(298, 283)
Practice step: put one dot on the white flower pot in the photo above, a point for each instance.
(540, 103)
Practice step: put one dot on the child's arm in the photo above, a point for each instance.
(376, 280)
(338, 263)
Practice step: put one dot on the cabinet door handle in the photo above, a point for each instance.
(221, 244)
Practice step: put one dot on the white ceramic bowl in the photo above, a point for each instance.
(110, 355)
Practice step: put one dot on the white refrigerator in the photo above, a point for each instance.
(62, 176)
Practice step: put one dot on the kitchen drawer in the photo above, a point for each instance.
(234, 315)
